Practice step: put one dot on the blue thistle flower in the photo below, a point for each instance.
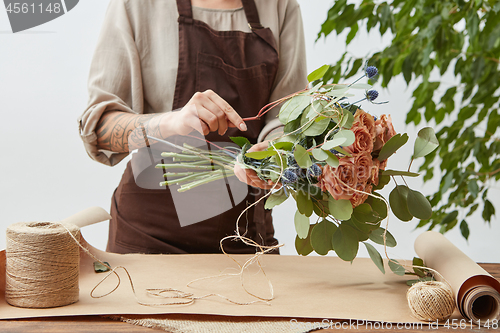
(314, 171)
(289, 176)
(291, 160)
(371, 95)
(371, 71)
(375, 118)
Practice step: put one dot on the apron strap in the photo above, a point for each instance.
(252, 14)
(185, 11)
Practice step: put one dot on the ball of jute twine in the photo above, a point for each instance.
(431, 300)
(42, 265)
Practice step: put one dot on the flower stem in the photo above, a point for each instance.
(185, 179)
(186, 166)
(215, 176)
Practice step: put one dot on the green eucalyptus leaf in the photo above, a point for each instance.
(275, 199)
(348, 135)
(291, 126)
(320, 208)
(365, 213)
(399, 173)
(375, 257)
(293, 108)
(425, 143)
(418, 262)
(261, 154)
(418, 205)
(315, 88)
(303, 246)
(339, 92)
(319, 154)
(321, 237)
(333, 143)
(308, 188)
(317, 127)
(239, 140)
(345, 242)
(340, 209)
(382, 181)
(361, 231)
(377, 236)
(332, 160)
(302, 157)
(314, 111)
(304, 203)
(283, 145)
(378, 206)
(398, 199)
(343, 152)
(396, 268)
(392, 145)
(318, 73)
(301, 225)
(347, 120)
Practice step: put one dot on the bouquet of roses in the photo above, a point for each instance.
(332, 160)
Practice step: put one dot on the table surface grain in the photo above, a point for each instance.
(103, 324)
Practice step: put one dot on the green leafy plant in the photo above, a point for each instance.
(431, 40)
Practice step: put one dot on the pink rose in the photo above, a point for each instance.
(363, 119)
(339, 181)
(364, 164)
(363, 140)
(383, 131)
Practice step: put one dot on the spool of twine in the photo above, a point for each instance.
(431, 300)
(42, 265)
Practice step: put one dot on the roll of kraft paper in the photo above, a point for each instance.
(476, 292)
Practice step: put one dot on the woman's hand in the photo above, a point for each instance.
(249, 176)
(206, 112)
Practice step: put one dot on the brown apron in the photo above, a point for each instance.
(241, 68)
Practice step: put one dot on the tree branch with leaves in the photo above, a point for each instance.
(431, 40)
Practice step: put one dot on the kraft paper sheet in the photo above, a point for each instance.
(304, 287)
(477, 293)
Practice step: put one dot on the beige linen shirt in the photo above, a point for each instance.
(134, 68)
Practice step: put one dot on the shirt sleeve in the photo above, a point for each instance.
(115, 82)
(292, 69)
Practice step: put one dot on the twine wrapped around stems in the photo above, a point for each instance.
(42, 264)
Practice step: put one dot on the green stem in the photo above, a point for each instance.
(185, 166)
(178, 174)
(218, 175)
(185, 179)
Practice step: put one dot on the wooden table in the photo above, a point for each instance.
(100, 324)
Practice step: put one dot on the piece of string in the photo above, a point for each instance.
(261, 250)
(188, 298)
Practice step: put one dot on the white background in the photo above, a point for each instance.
(46, 174)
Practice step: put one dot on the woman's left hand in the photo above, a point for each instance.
(249, 176)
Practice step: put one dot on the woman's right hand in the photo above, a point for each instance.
(205, 112)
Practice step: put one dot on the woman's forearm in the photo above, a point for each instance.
(122, 132)
(206, 112)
